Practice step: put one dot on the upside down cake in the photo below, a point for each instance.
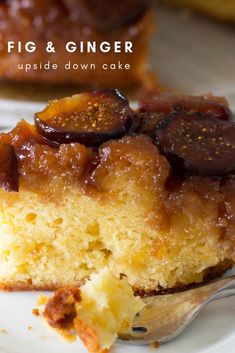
(96, 312)
(220, 9)
(148, 193)
(76, 21)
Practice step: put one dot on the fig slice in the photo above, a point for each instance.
(153, 108)
(197, 142)
(88, 118)
(207, 104)
(9, 179)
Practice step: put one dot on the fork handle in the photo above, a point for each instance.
(226, 290)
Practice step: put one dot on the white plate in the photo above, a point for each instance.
(205, 66)
(213, 331)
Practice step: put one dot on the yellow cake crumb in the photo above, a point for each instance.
(154, 345)
(42, 300)
(35, 312)
(100, 309)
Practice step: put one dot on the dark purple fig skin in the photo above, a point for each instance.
(87, 139)
(197, 143)
(116, 112)
(9, 175)
(153, 109)
(208, 105)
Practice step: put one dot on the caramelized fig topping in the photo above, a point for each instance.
(88, 118)
(197, 142)
(209, 105)
(154, 108)
(8, 168)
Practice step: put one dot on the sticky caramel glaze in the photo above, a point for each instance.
(44, 165)
(198, 197)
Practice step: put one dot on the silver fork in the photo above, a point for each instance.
(166, 316)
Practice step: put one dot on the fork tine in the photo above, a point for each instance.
(165, 317)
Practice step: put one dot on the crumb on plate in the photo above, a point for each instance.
(35, 312)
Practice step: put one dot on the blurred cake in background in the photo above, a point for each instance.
(220, 9)
(76, 20)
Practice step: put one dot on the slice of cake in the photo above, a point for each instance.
(96, 312)
(85, 25)
(150, 193)
(220, 9)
